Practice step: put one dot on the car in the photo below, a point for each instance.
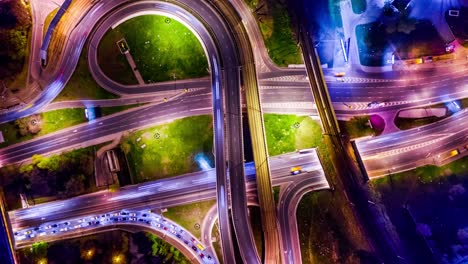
(186, 242)
(140, 220)
(296, 170)
(375, 104)
(340, 74)
(66, 223)
(209, 257)
(193, 239)
(178, 236)
(54, 225)
(36, 228)
(202, 255)
(165, 228)
(132, 214)
(48, 227)
(144, 215)
(194, 248)
(172, 232)
(123, 213)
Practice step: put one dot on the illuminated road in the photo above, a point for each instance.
(276, 89)
(138, 220)
(199, 186)
(409, 149)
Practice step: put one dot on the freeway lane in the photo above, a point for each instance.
(139, 220)
(94, 132)
(416, 147)
(159, 194)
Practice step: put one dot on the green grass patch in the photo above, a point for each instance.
(276, 194)
(425, 174)
(82, 85)
(356, 127)
(287, 133)
(323, 232)
(274, 23)
(359, 6)
(169, 149)
(162, 48)
(47, 122)
(15, 33)
(328, 230)
(189, 215)
(48, 19)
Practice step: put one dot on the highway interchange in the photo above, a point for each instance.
(278, 88)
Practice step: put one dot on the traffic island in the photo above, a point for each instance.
(359, 126)
(175, 148)
(288, 133)
(417, 117)
(162, 49)
(82, 85)
(190, 216)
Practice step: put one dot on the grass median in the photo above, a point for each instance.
(190, 216)
(163, 49)
(170, 149)
(288, 133)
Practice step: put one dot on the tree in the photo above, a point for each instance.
(75, 185)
